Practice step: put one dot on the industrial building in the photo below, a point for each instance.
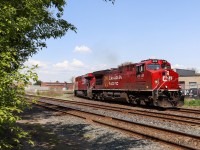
(189, 81)
(58, 85)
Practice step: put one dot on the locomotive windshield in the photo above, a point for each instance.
(165, 66)
(153, 66)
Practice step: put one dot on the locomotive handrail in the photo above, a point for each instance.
(158, 88)
(162, 84)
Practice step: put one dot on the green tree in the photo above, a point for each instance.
(12, 101)
(72, 79)
(38, 82)
(25, 25)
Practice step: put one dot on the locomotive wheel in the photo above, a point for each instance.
(134, 102)
(131, 99)
(137, 101)
(181, 101)
(102, 97)
(149, 103)
(164, 103)
(142, 102)
(95, 96)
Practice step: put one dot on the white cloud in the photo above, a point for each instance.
(77, 63)
(83, 49)
(64, 70)
(179, 66)
(70, 66)
(63, 65)
(31, 62)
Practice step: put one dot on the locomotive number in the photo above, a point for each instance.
(113, 83)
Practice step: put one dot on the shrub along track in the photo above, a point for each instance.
(175, 138)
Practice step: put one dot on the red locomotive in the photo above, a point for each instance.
(149, 82)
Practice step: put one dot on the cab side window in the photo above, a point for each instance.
(139, 69)
(142, 68)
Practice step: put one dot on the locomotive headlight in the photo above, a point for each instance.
(156, 81)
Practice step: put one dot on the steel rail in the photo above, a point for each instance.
(145, 113)
(189, 110)
(171, 137)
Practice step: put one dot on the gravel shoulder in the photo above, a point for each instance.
(51, 131)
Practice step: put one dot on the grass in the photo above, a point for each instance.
(51, 93)
(67, 95)
(191, 102)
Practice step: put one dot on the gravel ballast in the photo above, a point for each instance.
(51, 131)
(194, 130)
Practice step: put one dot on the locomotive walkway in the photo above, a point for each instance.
(175, 138)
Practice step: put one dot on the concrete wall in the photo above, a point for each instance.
(55, 85)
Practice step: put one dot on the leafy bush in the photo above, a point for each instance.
(12, 101)
(25, 25)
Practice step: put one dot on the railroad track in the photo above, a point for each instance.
(185, 110)
(174, 138)
(193, 121)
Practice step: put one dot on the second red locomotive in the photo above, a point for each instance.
(149, 82)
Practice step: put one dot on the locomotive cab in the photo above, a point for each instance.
(165, 88)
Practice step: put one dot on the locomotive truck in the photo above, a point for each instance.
(149, 82)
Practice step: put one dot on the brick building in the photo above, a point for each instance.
(54, 85)
(70, 86)
(58, 85)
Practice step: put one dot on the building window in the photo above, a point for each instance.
(182, 84)
(193, 84)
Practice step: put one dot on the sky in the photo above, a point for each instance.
(128, 31)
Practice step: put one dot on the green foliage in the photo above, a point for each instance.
(12, 84)
(192, 102)
(38, 82)
(26, 24)
(24, 27)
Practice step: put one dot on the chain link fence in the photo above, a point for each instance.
(191, 91)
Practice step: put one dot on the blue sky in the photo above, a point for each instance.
(130, 30)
